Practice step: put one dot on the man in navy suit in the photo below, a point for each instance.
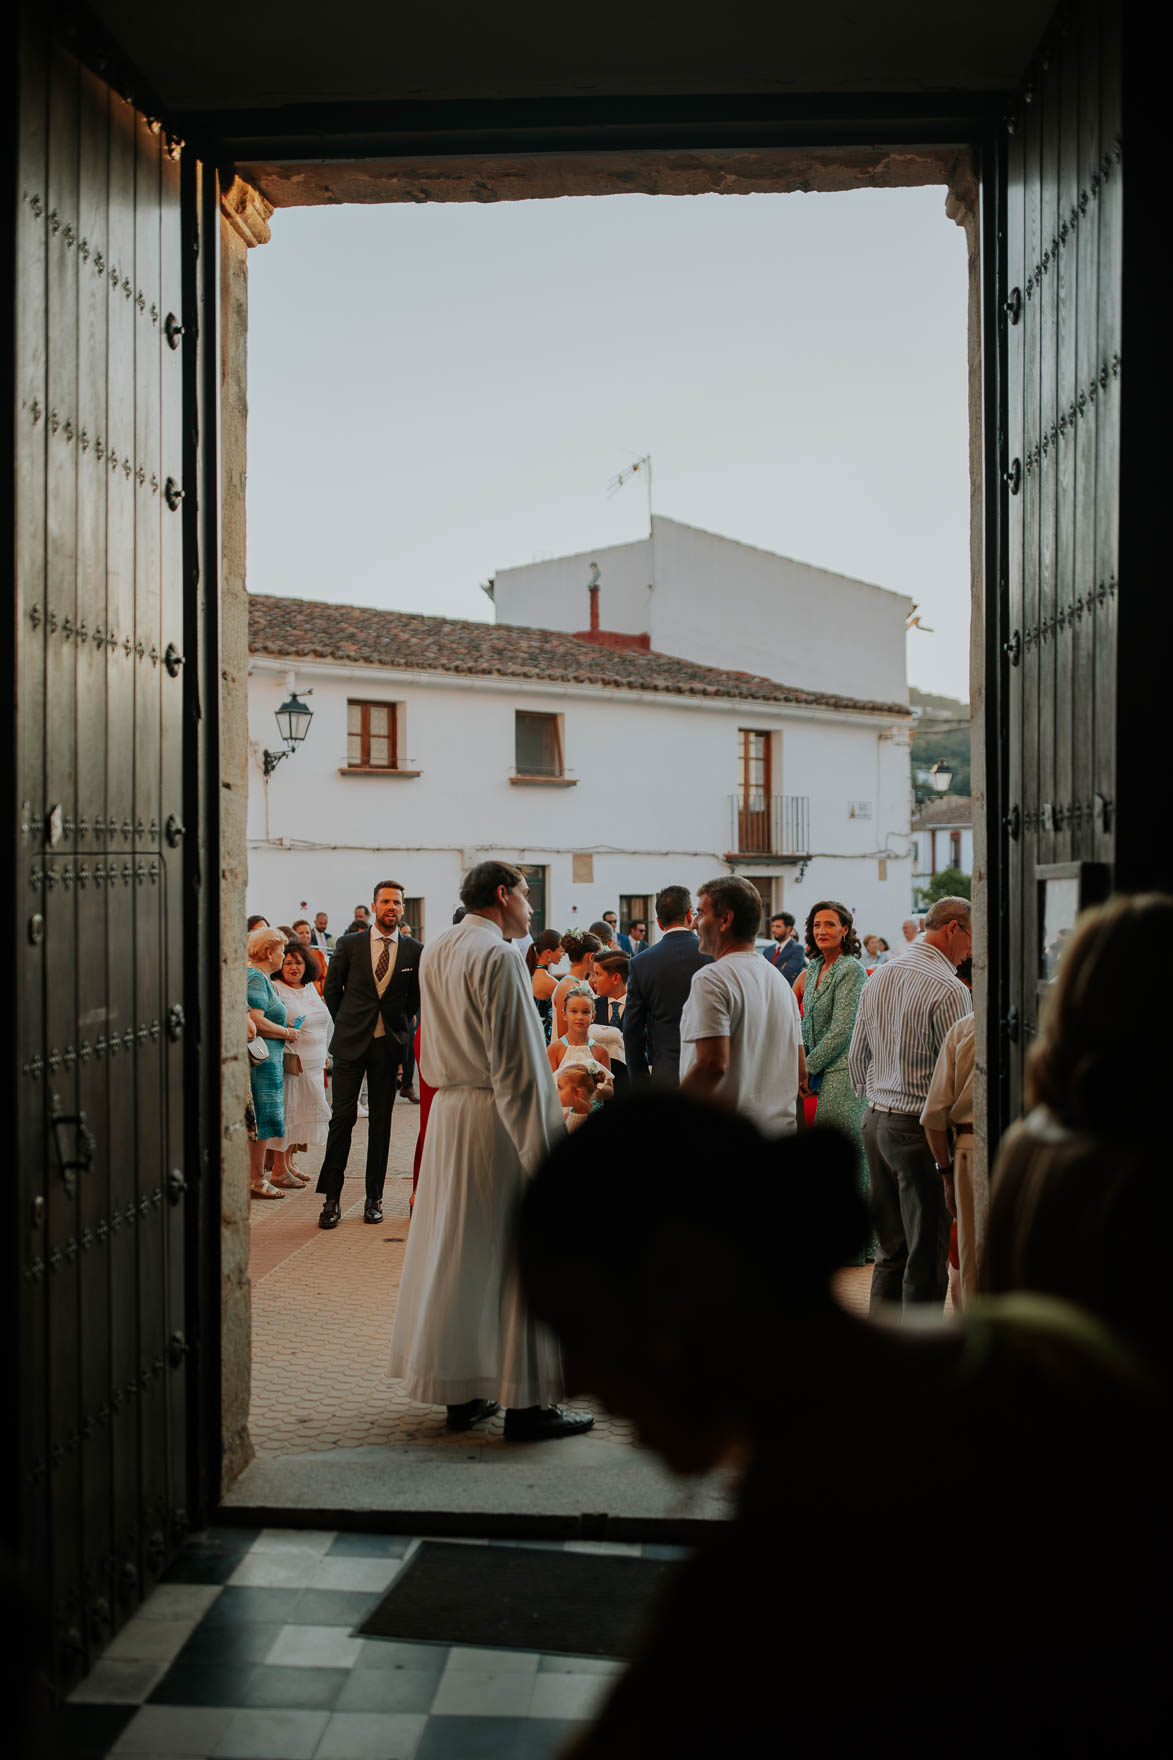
(786, 953)
(636, 939)
(372, 990)
(657, 990)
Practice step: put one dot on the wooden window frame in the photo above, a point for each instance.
(555, 775)
(366, 704)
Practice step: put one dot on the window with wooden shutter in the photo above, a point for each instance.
(372, 736)
(538, 744)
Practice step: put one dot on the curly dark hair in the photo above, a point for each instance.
(850, 938)
(309, 964)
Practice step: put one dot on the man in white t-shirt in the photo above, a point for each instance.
(741, 1032)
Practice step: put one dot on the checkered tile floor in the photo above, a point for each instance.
(248, 1650)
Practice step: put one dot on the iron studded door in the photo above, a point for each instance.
(1061, 313)
(99, 740)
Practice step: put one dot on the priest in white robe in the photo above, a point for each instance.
(462, 1336)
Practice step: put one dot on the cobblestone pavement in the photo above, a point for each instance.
(323, 1304)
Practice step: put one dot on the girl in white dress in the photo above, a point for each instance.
(580, 947)
(307, 1110)
(579, 1046)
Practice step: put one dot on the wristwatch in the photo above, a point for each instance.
(945, 1168)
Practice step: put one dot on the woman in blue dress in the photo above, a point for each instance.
(829, 991)
(266, 949)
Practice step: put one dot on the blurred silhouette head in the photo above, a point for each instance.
(647, 1311)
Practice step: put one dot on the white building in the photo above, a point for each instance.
(711, 599)
(606, 768)
(942, 837)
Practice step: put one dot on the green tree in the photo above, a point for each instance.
(949, 883)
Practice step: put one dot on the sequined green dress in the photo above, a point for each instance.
(828, 1020)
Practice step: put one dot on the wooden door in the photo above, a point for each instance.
(100, 743)
(536, 880)
(753, 816)
(1060, 314)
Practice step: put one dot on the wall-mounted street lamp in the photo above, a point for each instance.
(941, 776)
(293, 723)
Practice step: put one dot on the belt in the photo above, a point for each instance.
(891, 1111)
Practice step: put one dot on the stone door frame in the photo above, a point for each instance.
(262, 182)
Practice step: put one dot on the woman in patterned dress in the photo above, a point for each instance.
(544, 951)
(829, 991)
(266, 948)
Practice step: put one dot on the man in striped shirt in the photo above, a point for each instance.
(905, 1010)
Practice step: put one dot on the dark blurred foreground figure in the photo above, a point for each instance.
(1081, 1199)
(948, 1540)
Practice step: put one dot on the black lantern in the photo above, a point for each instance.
(941, 776)
(293, 723)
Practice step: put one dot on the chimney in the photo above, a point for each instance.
(593, 589)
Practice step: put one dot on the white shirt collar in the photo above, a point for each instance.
(476, 918)
(375, 930)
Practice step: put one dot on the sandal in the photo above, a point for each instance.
(288, 1182)
(264, 1190)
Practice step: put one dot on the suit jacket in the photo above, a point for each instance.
(656, 994)
(327, 938)
(354, 1002)
(619, 1073)
(630, 947)
(788, 957)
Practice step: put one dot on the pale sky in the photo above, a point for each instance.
(439, 391)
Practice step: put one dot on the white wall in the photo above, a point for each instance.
(726, 604)
(553, 595)
(651, 798)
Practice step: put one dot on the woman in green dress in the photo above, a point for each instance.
(829, 991)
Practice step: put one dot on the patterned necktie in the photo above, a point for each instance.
(614, 1014)
(384, 959)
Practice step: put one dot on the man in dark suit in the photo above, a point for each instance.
(657, 990)
(636, 939)
(787, 953)
(372, 991)
(320, 936)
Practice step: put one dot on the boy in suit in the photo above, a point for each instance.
(608, 980)
(372, 991)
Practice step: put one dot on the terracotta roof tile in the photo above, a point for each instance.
(407, 641)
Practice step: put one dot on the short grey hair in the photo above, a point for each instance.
(948, 910)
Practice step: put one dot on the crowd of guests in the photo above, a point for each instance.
(1011, 1495)
(290, 1026)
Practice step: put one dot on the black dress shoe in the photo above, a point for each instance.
(409, 1094)
(539, 1423)
(471, 1412)
(331, 1214)
(373, 1211)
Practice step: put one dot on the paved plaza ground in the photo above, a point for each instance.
(332, 1434)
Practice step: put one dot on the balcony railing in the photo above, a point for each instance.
(769, 824)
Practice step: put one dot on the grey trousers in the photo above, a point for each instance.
(908, 1209)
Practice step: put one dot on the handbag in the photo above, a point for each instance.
(292, 1064)
(257, 1050)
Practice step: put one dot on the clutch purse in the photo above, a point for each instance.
(292, 1064)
